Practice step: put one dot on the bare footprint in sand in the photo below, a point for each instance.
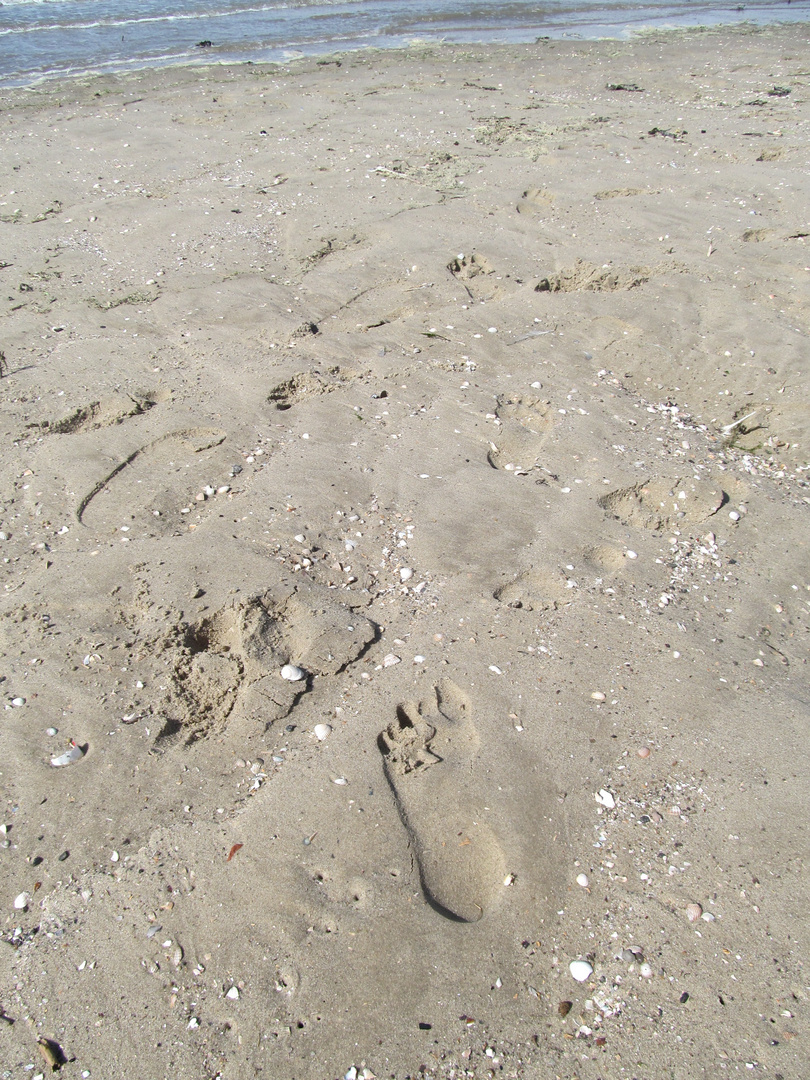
(428, 763)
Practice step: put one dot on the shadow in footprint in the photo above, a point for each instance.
(156, 481)
(427, 762)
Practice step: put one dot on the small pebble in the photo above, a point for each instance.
(51, 731)
(734, 515)
(582, 879)
(292, 673)
(631, 554)
(580, 970)
(18, 702)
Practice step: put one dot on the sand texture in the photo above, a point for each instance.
(472, 383)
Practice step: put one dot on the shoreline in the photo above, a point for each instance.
(403, 510)
(251, 58)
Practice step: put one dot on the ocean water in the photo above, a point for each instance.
(49, 38)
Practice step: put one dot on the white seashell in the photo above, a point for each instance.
(18, 702)
(114, 858)
(233, 993)
(21, 901)
(707, 916)
(322, 731)
(419, 659)
(209, 490)
(292, 673)
(342, 781)
(734, 515)
(582, 879)
(604, 798)
(645, 971)
(597, 695)
(405, 574)
(631, 554)
(580, 970)
(693, 912)
(391, 659)
(74, 754)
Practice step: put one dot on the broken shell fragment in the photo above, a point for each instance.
(580, 970)
(604, 798)
(292, 673)
(322, 731)
(75, 753)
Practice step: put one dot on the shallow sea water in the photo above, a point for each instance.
(47, 38)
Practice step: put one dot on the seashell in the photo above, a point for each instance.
(391, 659)
(645, 971)
(322, 731)
(580, 970)
(18, 702)
(631, 554)
(21, 901)
(597, 695)
(643, 751)
(292, 673)
(582, 879)
(209, 490)
(604, 798)
(233, 993)
(405, 573)
(75, 753)
(693, 912)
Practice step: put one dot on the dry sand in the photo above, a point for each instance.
(456, 338)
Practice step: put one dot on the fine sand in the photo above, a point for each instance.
(472, 382)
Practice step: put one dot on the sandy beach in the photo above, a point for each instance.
(404, 522)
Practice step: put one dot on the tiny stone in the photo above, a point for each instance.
(631, 554)
(51, 731)
(18, 702)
